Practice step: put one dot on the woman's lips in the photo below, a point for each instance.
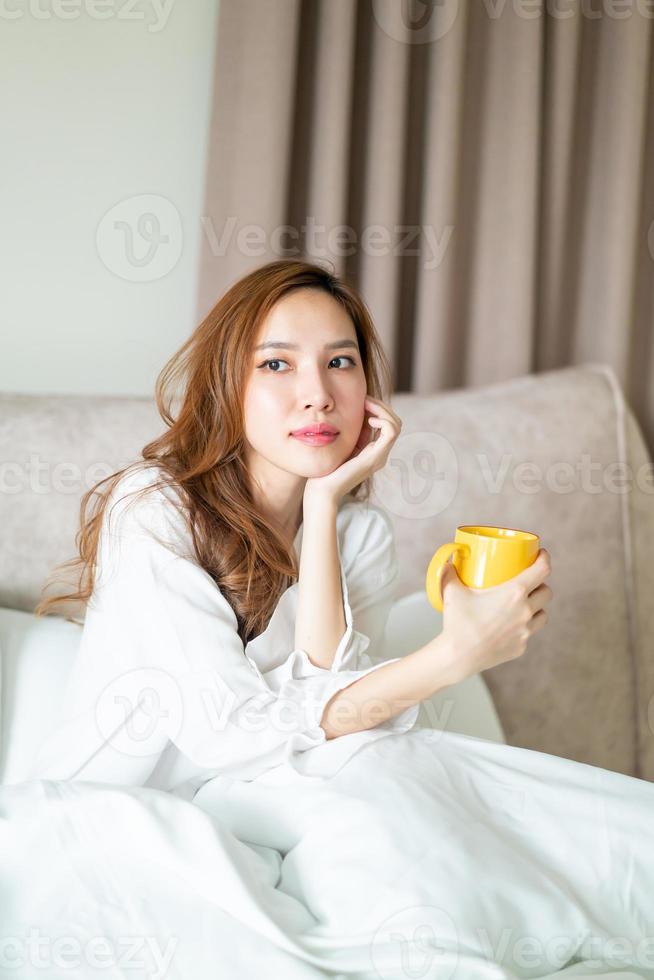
(313, 439)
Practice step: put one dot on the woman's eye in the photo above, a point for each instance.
(278, 360)
(273, 360)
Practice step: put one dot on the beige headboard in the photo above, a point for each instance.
(585, 687)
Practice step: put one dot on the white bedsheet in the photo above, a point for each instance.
(427, 855)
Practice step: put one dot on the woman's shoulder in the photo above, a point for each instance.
(362, 513)
(367, 547)
(146, 500)
(365, 527)
(145, 482)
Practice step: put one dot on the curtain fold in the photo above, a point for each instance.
(483, 171)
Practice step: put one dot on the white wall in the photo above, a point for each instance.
(95, 112)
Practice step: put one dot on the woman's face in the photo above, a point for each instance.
(313, 374)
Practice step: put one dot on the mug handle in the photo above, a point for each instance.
(435, 572)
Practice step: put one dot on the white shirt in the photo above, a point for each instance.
(163, 693)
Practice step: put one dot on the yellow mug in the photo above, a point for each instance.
(483, 556)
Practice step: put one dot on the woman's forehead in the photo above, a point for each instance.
(306, 320)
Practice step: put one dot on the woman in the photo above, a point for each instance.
(236, 580)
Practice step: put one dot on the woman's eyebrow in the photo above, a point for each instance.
(284, 345)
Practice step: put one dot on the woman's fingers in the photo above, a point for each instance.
(539, 598)
(533, 575)
(377, 407)
(537, 621)
(379, 413)
(380, 445)
(387, 430)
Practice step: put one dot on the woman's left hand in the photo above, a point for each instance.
(369, 454)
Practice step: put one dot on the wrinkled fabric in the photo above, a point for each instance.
(427, 854)
(179, 823)
(164, 694)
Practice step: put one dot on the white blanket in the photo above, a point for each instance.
(428, 855)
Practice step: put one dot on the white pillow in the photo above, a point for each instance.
(38, 654)
(37, 658)
(466, 707)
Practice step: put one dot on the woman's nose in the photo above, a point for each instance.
(316, 394)
(322, 402)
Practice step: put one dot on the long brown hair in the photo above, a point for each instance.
(202, 449)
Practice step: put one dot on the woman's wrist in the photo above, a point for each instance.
(390, 689)
(320, 617)
(320, 500)
(445, 660)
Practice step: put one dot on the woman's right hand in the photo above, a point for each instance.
(489, 626)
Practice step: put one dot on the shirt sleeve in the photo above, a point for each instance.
(369, 578)
(161, 661)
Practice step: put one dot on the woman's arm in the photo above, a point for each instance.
(482, 629)
(320, 619)
(161, 662)
(391, 689)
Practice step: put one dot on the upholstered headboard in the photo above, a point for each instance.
(585, 687)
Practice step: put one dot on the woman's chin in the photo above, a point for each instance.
(320, 460)
(315, 472)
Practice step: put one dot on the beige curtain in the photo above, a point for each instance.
(482, 170)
